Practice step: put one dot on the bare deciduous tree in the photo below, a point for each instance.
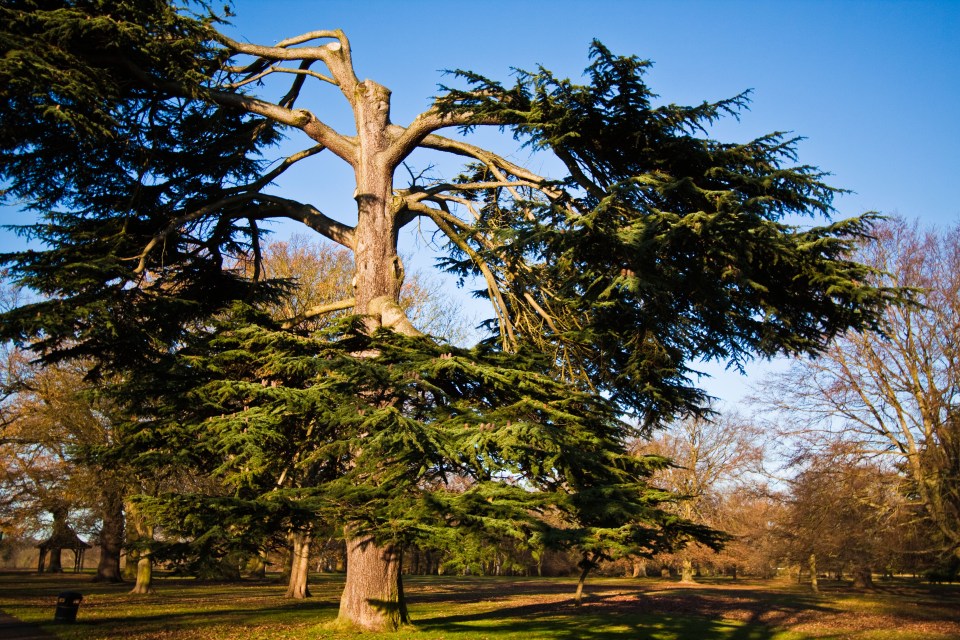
(893, 395)
(711, 457)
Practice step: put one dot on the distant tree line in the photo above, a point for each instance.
(865, 436)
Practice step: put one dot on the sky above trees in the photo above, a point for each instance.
(869, 84)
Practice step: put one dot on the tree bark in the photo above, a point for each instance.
(812, 561)
(111, 538)
(862, 577)
(131, 561)
(298, 586)
(41, 562)
(586, 564)
(56, 565)
(139, 558)
(686, 571)
(373, 594)
(639, 568)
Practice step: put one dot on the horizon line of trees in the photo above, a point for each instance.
(847, 507)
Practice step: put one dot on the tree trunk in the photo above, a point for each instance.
(578, 596)
(862, 577)
(111, 538)
(257, 566)
(298, 586)
(144, 584)
(686, 571)
(41, 561)
(142, 534)
(55, 566)
(60, 531)
(131, 561)
(639, 568)
(813, 573)
(373, 594)
(586, 564)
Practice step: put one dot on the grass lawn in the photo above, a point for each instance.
(452, 608)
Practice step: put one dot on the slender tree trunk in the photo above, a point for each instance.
(686, 571)
(141, 532)
(813, 573)
(111, 538)
(373, 594)
(299, 565)
(586, 564)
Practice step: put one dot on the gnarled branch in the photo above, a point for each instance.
(319, 310)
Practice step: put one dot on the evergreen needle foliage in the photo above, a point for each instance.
(135, 130)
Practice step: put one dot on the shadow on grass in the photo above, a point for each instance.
(109, 611)
(638, 612)
(304, 611)
(564, 622)
(476, 607)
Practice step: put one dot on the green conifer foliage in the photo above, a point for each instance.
(409, 442)
(134, 129)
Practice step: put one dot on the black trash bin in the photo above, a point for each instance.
(67, 604)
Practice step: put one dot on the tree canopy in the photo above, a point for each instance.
(891, 396)
(139, 132)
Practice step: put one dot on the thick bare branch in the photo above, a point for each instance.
(302, 119)
(282, 51)
(184, 219)
(312, 35)
(319, 310)
(274, 173)
(392, 316)
(312, 217)
(342, 146)
(461, 148)
(507, 334)
(477, 186)
(408, 138)
(275, 207)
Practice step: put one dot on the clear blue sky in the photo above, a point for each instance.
(873, 86)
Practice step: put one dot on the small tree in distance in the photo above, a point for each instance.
(711, 458)
(136, 129)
